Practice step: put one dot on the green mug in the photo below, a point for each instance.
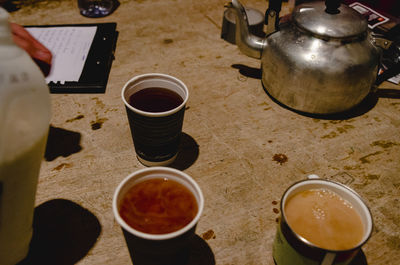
(290, 248)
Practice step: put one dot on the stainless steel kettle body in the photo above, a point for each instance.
(317, 62)
(317, 75)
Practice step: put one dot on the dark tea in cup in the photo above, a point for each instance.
(155, 99)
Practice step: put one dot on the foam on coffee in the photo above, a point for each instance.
(325, 219)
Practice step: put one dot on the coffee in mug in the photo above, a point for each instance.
(325, 219)
(322, 223)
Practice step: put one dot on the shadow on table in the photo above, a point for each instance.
(61, 142)
(197, 252)
(366, 105)
(360, 259)
(63, 233)
(200, 253)
(188, 153)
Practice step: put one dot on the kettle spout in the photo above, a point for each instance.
(249, 44)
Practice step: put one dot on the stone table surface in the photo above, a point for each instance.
(234, 134)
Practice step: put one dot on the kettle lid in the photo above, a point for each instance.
(341, 21)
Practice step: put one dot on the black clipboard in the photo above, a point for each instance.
(94, 76)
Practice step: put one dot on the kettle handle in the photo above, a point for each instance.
(272, 16)
(380, 41)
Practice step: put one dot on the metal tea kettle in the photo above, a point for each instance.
(323, 60)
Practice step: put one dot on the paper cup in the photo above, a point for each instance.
(157, 249)
(156, 135)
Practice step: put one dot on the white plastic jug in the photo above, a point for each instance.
(24, 124)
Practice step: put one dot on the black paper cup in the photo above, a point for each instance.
(156, 135)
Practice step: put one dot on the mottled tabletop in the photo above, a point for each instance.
(242, 147)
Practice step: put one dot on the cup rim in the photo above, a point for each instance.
(166, 236)
(148, 76)
(370, 222)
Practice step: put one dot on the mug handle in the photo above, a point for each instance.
(313, 176)
(329, 258)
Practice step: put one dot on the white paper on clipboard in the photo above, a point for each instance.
(69, 46)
